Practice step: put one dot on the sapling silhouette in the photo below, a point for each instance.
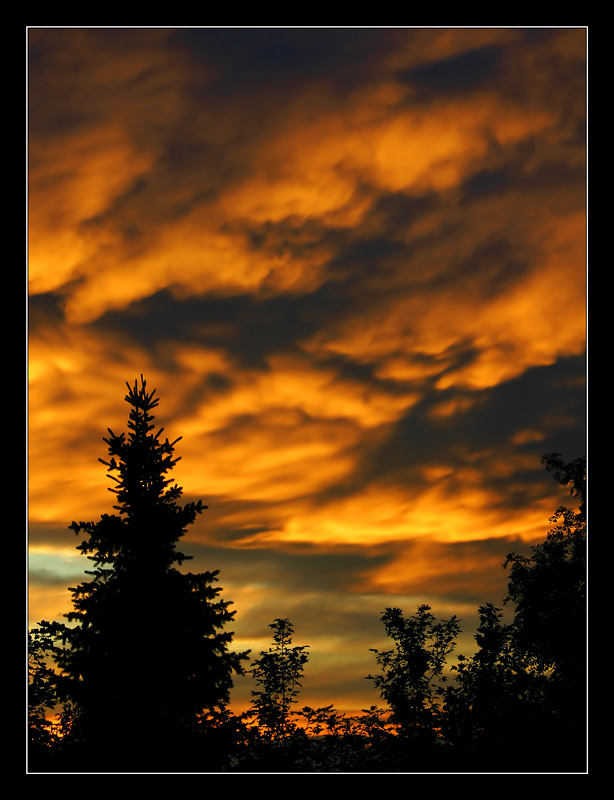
(278, 673)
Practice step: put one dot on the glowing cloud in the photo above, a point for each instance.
(352, 263)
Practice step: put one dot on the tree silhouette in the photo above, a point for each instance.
(143, 670)
(548, 588)
(42, 689)
(490, 709)
(278, 672)
(146, 660)
(411, 674)
(549, 631)
(519, 703)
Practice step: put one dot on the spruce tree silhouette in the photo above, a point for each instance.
(146, 660)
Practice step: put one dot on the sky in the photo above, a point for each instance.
(352, 262)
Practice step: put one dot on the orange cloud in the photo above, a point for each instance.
(538, 318)
(430, 569)
(70, 181)
(380, 514)
(275, 434)
(291, 382)
(284, 432)
(310, 168)
(430, 240)
(71, 403)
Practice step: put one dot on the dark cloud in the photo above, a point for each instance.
(560, 182)
(550, 400)
(351, 263)
(397, 212)
(302, 566)
(41, 536)
(494, 267)
(243, 59)
(44, 310)
(459, 74)
(246, 328)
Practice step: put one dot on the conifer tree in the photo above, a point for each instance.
(147, 656)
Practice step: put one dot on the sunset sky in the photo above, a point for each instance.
(352, 262)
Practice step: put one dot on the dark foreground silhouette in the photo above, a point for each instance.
(139, 677)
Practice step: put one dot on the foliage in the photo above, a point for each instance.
(337, 742)
(548, 589)
(146, 653)
(411, 675)
(278, 673)
(520, 700)
(42, 686)
(489, 709)
(549, 631)
(142, 670)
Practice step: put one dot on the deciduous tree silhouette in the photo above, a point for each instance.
(519, 703)
(411, 674)
(549, 631)
(489, 710)
(43, 695)
(548, 588)
(278, 673)
(147, 655)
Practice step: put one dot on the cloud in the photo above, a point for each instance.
(111, 223)
(352, 263)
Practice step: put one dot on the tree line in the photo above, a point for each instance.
(138, 678)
